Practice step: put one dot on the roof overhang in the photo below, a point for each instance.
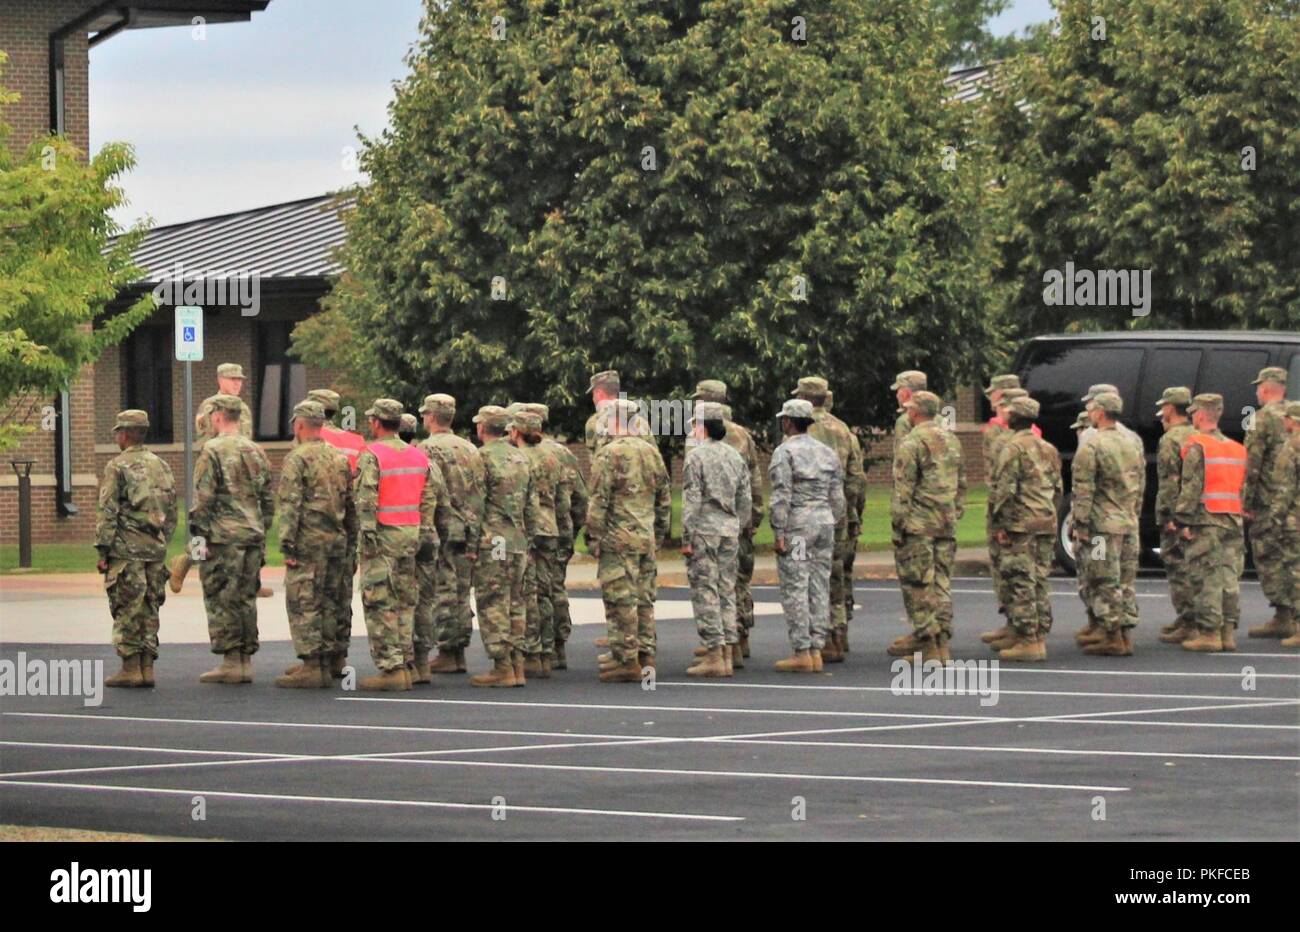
(106, 19)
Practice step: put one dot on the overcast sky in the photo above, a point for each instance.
(262, 112)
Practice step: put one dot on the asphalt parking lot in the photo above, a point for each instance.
(1163, 745)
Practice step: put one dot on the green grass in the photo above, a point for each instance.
(80, 558)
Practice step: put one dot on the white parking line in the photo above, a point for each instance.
(1001, 692)
(361, 801)
(1004, 749)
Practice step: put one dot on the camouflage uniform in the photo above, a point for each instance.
(855, 499)
(462, 471)
(928, 500)
(1284, 509)
(1264, 441)
(554, 497)
(232, 507)
(134, 520)
(1108, 477)
(318, 526)
(627, 520)
(506, 527)
(389, 588)
(1215, 554)
(1169, 471)
(597, 432)
(427, 560)
(807, 505)
(716, 504)
(339, 581)
(1025, 488)
(833, 432)
(203, 430)
(569, 524)
(993, 435)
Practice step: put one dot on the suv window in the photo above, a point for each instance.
(1230, 373)
(1293, 379)
(1166, 367)
(1059, 376)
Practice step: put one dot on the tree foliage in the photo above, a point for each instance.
(650, 183)
(1134, 153)
(59, 267)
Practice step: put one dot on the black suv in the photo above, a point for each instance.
(1057, 371)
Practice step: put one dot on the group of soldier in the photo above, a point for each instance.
(422, 526)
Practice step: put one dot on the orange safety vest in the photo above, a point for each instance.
(346, 442)
(1225, 472)
(402, 474)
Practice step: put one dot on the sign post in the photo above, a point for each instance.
(189, 350)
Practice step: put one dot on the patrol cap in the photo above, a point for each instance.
(230, 370)
(1011, 394)
(710, 390)
(928, 403)
(726, 412)
(514, 408)
(526, 420)
(409, 424)
(386, 409)
(1000, 383)
(1271, 374)
(1175, 395)
(227, 404)
(1206, 401)
(1081, 421)
(797, 407)
(1095, 390)
(1109, 402)
(812, 385)
(607, 380)
(131, 417)
(310, 409)
(829, 401)
(492, 416)
(621, 407)
(438, 404)
(707, 411)
(535, 407)
(1292, 410)
(1024, 406)
(329, 400)
(912, 378)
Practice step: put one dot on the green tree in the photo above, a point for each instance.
(59, 266)
(1161, 135)
(965, 27)
(751, 191)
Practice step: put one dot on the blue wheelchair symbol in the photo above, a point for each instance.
(187, 334)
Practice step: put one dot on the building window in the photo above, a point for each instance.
(282, 382)
(147, 373)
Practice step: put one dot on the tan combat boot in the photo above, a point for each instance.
(831, 650)
(146, 668)
(627, 672)
(1176, 633)
(519, 662)
(607, 657)
(710, 665)
(1229, 637)
(904, 645)
(386, 681)
(726, 659)
(1004, 643)
(816, 654)
(744, 643)
(445, 662)
(930, 649)
(1112, 645)
(419, 670)
(501, 674)
(307, 676)
(737, 656)
(532, 665)
(548, 664)
(1204, 642)
(1170, 628)
(1024, 650)
(130, 675)
(1089, 633)
(799, 662)
(1292, 641)
(988, 637)
(228, 672)
(180, 568)
(700, 650)
(245, 668)
(561, 659)
(1282, 625)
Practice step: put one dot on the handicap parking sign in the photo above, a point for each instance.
(189, 334)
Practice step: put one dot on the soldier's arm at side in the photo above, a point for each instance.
(755, 486)
(1083, 488)
(961, 483)
(690, 494)
(1192, 484)
(906, 468)
(744, 500)
(838, 506)
(598, 504)
(290, 494)
(107, 513)
(265, 492)
(205, 488)
(780, 479)
(663, 500)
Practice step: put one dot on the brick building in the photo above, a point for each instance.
(48, 43)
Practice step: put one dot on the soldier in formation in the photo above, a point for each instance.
(1284, 510)
(135, 518)
(1175, 420)
(855, 499)
(1265, 438)
(716, 504)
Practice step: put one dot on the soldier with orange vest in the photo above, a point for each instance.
(339, 584)
(1208, 514)
(395, 501)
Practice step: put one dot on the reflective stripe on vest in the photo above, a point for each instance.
(402, 474)
(346, 442)
(1225, 472)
